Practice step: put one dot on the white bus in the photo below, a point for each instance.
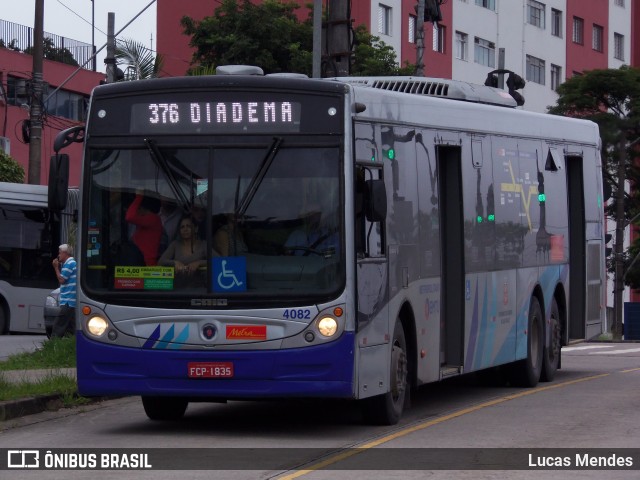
(467, 235)
(29, 237)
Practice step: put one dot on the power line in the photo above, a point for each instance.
(97, 51)
(81, 17)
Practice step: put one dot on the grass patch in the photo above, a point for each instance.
(54, 384)
(54, 353)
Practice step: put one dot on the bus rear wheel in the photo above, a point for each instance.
(551, 353)
(164, 408)
(387, 409)
(526, 373)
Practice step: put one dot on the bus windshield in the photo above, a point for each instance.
(215, 221)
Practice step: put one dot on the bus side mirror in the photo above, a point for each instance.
(68, 136)
(58, 182)
(376, 200)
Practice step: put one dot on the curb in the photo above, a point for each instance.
(16, 408)
(10, 409)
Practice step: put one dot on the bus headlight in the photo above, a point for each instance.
(327, 326)
(96, 326)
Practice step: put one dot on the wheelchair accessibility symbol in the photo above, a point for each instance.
(229, 274)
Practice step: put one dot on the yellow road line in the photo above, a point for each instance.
(630, 370)
(421, 426)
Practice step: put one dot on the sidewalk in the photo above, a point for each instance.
(10, 409)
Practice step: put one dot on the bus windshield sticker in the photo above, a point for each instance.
(143, 278)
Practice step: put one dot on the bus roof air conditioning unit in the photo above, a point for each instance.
(5, 145)
(435, 87)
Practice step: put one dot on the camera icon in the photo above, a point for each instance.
(23, 459)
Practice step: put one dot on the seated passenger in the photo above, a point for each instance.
(314, 237)
(228, 239)
(187, 253)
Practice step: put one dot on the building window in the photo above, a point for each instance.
(18, 90)
(535, 70)
(556, 23)
(578, 30)
(66, 104)
(439, 35)
(384, 19)
(620, 3)
(63, 103)
(535, 14)
(485, 52)
(412, 28)
(598, 35)
(618, 46)
(490, 4)
(462, 40)
(556, 76)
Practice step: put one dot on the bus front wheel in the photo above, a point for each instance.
(387, 409)
(526, 373)
(164, 408)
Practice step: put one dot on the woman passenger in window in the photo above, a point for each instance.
(187, 253)
(228, 239)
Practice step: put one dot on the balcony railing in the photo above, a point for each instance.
(20, 38)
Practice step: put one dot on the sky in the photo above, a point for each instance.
(72, 19)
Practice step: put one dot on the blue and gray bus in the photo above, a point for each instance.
(466, 234)
(30, 234)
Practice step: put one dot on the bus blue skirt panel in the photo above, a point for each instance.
(318, 371)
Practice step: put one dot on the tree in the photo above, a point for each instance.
(239, 32)
(374, 57)
(10, 170)
(51, 52)
(270, 36)
(611, 98)
(139, 62)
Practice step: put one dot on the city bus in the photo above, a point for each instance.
(445, 259)
(29, 237)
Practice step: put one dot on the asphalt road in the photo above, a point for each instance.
(592, 404)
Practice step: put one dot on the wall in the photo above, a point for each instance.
(11, 117)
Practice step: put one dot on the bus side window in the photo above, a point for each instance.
(368, 235)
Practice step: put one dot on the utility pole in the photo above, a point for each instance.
(317, 38)
(338, 30)
(501, 55)
(35, 111)
(618, 247)
(420, 38)
(426, 11)
(93, 33)
(110, 59)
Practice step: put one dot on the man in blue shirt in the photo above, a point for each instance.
(65, 268)
(314, 238)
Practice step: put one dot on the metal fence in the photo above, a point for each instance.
(20, 38)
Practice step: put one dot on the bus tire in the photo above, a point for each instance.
(164, 408)
(526, 372)
(386, 409)
(551, 354)
(4, 325)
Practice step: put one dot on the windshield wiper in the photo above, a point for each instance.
(161, 161)
(241, 207)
